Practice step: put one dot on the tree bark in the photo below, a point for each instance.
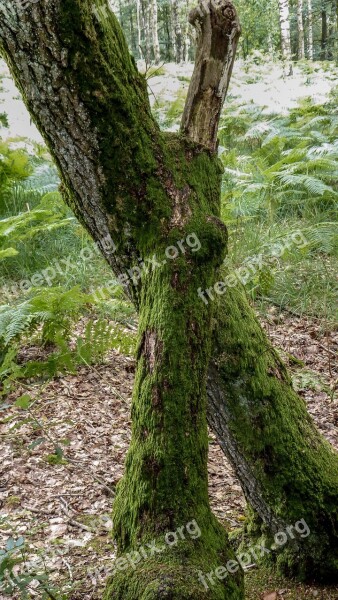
(176, 31)
(310, 30)
(211, 76)
(288, 472)
(154, 31)
(125, 179)
(300, 25)
(323, 43)
(284, 17)
(148, 191)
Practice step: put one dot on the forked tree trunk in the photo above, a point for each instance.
(300, 25)
(150, 192)
(124, 178)
(288, 472)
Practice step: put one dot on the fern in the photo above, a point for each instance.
(50, 316)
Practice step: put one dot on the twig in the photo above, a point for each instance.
(80, 525)
(327, 349)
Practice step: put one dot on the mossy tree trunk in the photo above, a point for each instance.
(287, 470)
(151, 193)
(148, 191)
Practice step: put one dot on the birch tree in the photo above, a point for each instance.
(154, 31)
(300, 27)
(310, 30)
(284, 17)
(177, 36)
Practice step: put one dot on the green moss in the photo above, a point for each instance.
(55, 459)
(180, 572)
(13, 501)
(295, 468)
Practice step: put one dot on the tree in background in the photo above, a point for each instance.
(310, 30)
(159, 29)
(284, 17)
(301, 39)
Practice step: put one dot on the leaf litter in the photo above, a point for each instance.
(57, 489)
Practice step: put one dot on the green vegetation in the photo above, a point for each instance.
(280, 201)
(50, 318)
(281, 178)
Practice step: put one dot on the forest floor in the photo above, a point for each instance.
(262, 83)
(61, 505)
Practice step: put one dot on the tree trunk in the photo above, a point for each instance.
(139, 28)
(310, 30)
(154, 31)
(133, 33)
(125, 179)
(152, 193)
(187, 40)
(146, 31)
(288, 472)
(284, 17)
(300, 25)
(323, 43)
(176, 30)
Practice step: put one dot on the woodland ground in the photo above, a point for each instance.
(60, 504)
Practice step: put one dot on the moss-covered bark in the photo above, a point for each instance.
(147, 191)
(125, 179)
(165, 484)
(287, 470)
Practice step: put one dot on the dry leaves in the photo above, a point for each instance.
(67, 506)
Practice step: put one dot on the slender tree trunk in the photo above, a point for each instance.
(168, 29)
(148, 191)
(284, 17)
(187, 41)
(287, 470)
(177, 30)
(310, 29)
(300, 25)
(323, 43)
(154, 31)
(146, 31)
(139, 28)
(133, 34)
